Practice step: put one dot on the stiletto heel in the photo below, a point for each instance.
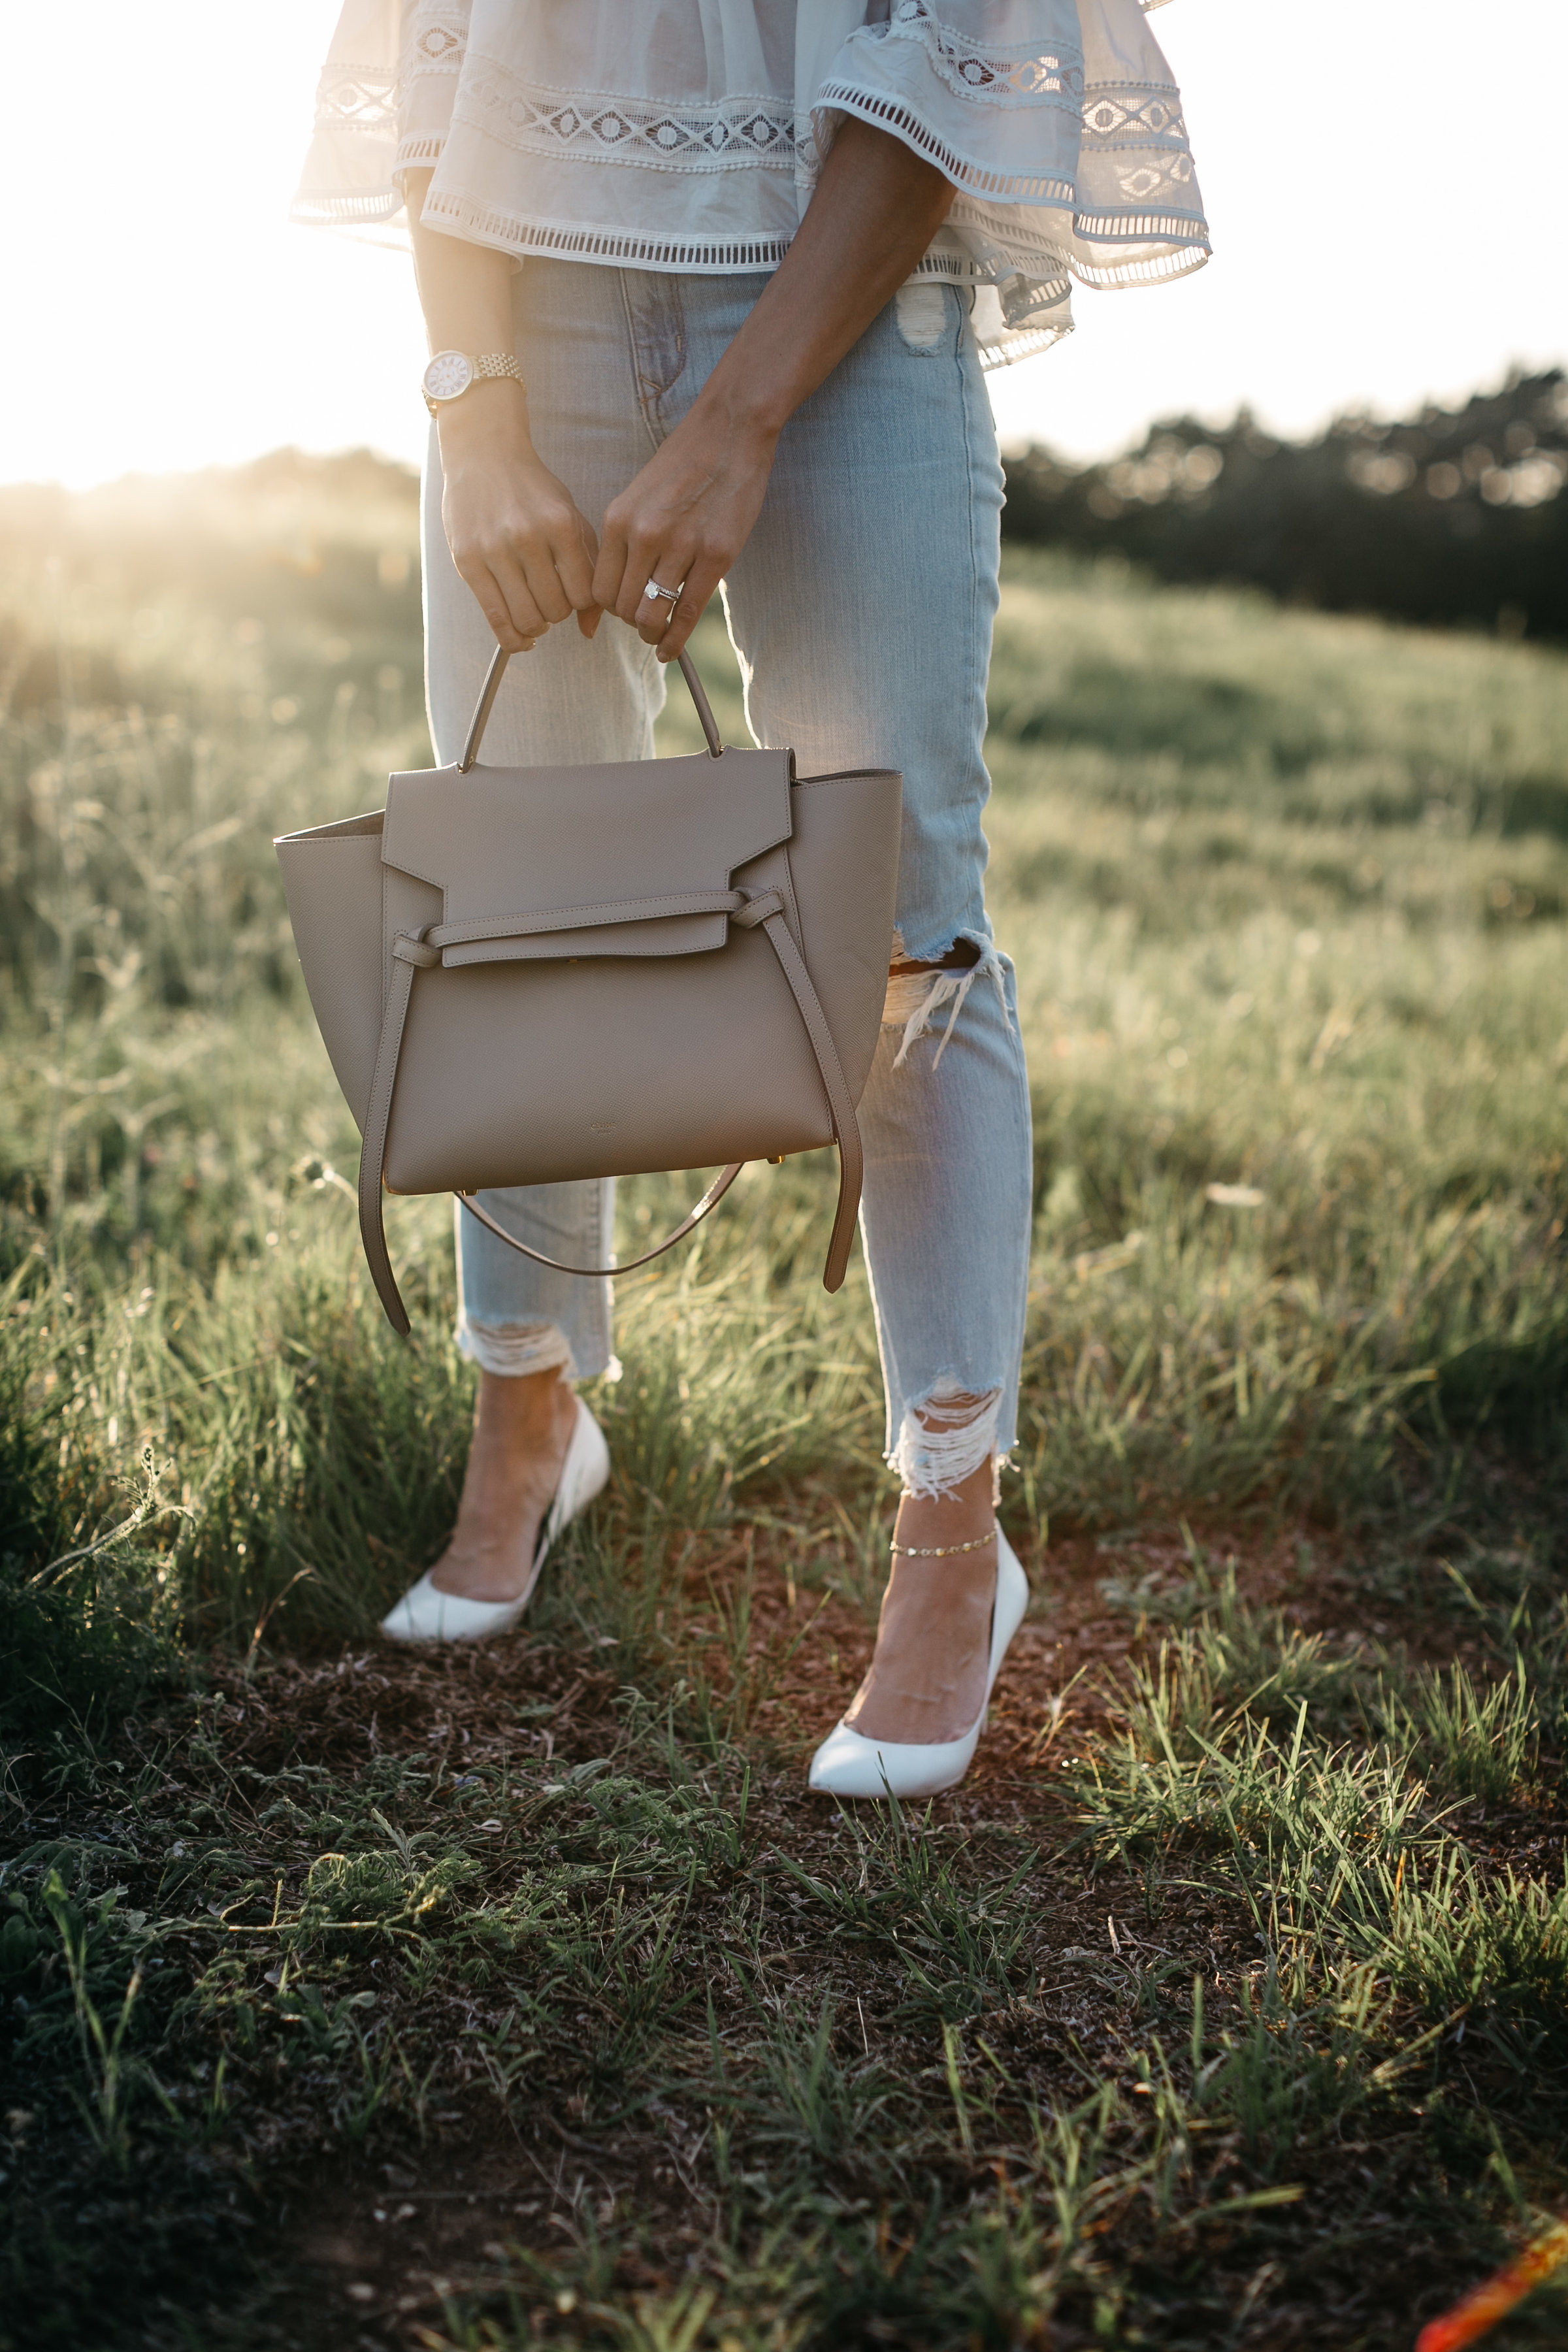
(426, 1614)
(847, 1765)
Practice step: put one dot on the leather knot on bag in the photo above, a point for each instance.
(536, 975)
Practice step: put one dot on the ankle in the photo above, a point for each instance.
(942, 1524)
(927, 1591)
(524, 1414)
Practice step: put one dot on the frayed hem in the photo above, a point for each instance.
(945, 1441)
(513, 1351)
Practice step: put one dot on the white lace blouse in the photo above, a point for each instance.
(688, 134)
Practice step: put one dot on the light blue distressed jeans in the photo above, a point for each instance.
(861, 612)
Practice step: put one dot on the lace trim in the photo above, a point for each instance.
(437, 42)
(1023, 343)
(1110, 113)
(559, 237)
(1138, 228)
(1113, 117)
(593, 126)
(973, 71)
(1108, 276)
(1023, 332)
(309, 211)
(1027, 187)
(364, 97)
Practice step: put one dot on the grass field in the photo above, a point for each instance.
(347, 1999)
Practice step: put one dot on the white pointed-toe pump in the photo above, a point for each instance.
(846, 1765)
(427, 1614)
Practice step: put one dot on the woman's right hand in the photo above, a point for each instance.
(516, 533)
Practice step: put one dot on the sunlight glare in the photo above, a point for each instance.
(177, 320)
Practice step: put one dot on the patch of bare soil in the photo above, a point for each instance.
(370, 2246)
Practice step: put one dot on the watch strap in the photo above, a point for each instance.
(484, 363)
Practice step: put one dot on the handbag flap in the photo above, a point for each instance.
(528, 841)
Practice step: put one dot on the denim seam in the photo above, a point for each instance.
(650, 395)
(982, 936)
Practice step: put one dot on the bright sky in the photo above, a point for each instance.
(1382, 180)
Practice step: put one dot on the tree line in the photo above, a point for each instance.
(1456, 517)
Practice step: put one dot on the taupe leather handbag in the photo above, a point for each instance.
(525, 975)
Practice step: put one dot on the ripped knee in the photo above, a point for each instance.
(917, 988)
(962, 956)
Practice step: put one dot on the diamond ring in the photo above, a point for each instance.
(655, 591)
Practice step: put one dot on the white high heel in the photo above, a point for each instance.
(427, 1614)
(846, 1765)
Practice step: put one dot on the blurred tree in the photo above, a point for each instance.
(1457, 518)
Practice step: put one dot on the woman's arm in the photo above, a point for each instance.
(690, 511)
(515, 533)
(516, 536)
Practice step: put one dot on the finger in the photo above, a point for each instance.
(661, 552)
(609, 566)
(657, 563)
(701, 583)
(535, 562)
(486, 591)
(574, 565)
(654, 614)
(650, 565)
(527, 618)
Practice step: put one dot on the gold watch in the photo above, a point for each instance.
(451, 374)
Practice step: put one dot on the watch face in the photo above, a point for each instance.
(449, 373)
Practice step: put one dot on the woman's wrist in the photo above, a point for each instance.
(744, 405)
(492, 413)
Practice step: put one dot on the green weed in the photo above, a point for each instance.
(1477, 1743)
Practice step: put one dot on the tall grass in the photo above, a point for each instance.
(1288, 979)
(1289, 1002)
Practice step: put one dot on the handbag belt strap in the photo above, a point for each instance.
(586, 918)
(411, 954)
(767, 909)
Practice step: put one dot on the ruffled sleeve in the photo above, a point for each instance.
(383, 106)
(1059, 124)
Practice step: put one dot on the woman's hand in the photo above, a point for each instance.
(517, 537)
(515, 533)
(690, 512)
(683, 520)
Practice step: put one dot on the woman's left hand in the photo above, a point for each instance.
(683, 520)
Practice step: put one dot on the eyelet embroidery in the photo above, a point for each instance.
(597, 126)
(973, 70)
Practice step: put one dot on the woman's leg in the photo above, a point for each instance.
(945, 1222)
(570, 699)
(862, 611)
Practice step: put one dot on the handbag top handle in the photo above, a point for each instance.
(497, 671)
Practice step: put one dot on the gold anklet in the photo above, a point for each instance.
(945, 1551)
